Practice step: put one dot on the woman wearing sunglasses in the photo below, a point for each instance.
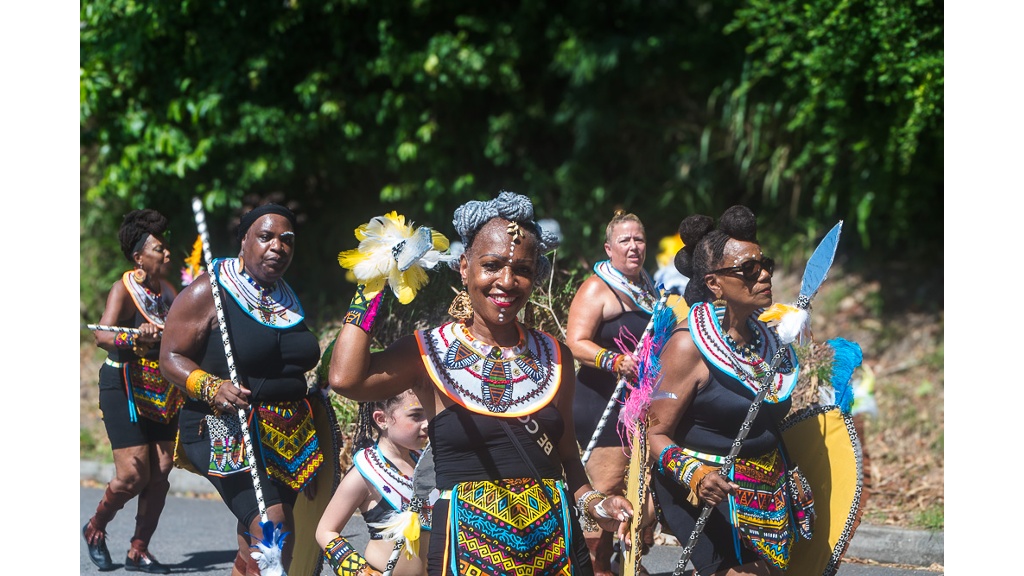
(713, 364)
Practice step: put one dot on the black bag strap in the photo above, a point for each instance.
(522, 452)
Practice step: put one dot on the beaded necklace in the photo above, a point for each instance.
(152, 306)
(644, 295)
(491, 379)
(745, 363)
(274, 307)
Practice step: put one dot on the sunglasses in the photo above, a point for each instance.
(751, 269)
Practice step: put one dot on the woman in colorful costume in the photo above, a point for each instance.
(272, 350)
(140, 408)
(499, 398)
(620, 296)
(712, 366)
(378, 485)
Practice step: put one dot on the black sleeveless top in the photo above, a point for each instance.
(469, 446)
(270, 362)
(713, 419)
(594, 387)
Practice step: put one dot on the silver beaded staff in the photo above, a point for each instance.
(119, 329)
(619, 387)
(197, 208)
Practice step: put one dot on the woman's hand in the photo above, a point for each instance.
(714, 487)
(626, 367)
(613, 514)
(149, 334)
(231, 398)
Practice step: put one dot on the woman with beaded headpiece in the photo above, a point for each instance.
(712, 366)
(499, 397)
(140, 408)
(619, 296)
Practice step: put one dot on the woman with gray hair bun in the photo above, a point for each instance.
(499, 397)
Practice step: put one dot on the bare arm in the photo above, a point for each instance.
(586, 313)
(352, 494)
(191, 322)
(357, 374)
(683, 373)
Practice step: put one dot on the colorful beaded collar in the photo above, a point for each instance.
(489, 379)
(152, 306)
(747, 369)
(278, 307)
(645, 296)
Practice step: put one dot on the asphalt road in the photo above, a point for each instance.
(197, 536)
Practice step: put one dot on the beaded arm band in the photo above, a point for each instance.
(583, 506)
(362, 311)
(607, 360)
(684, 469)
(128, 341)
(201, 385)
(345, 561)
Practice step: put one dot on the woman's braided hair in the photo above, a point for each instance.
(704, 246)
(367, 431)
(472, 216)
(137, 226)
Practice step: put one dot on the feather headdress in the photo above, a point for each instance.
(268, 549)
(394, 253)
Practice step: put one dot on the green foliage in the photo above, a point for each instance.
(932, 518)
(346, 108)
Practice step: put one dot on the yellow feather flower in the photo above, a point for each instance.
(394, 253)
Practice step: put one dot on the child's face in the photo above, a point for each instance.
(407, 423)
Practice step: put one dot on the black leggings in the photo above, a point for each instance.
(121, 431)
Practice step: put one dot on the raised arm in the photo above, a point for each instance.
(357, 374)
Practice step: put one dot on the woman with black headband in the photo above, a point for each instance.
(140, 408)
(272, 350)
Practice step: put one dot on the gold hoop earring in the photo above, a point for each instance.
(462, 307)
(140, 275)
(241, 264)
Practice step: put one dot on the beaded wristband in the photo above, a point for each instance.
(583, 505)
(201, 385)
(684, 469)
(344, 559)
(124, 340)
(606, 359)
(362, 311)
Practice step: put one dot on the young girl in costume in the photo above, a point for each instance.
(382, 485)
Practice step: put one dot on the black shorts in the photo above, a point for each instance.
(121, 431)
(236, 490)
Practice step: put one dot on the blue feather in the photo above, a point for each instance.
(820, 261)
(846, 359)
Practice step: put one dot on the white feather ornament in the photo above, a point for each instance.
(396, 254)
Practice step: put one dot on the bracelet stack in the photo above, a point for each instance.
(684, 469)
(583, 506)
(607, 360)
(201, 385)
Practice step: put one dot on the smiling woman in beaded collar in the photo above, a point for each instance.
(499, 398)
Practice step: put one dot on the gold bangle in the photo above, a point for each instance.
(201, 385)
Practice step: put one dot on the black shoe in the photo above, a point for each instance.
(98, 552)
(145, 563)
